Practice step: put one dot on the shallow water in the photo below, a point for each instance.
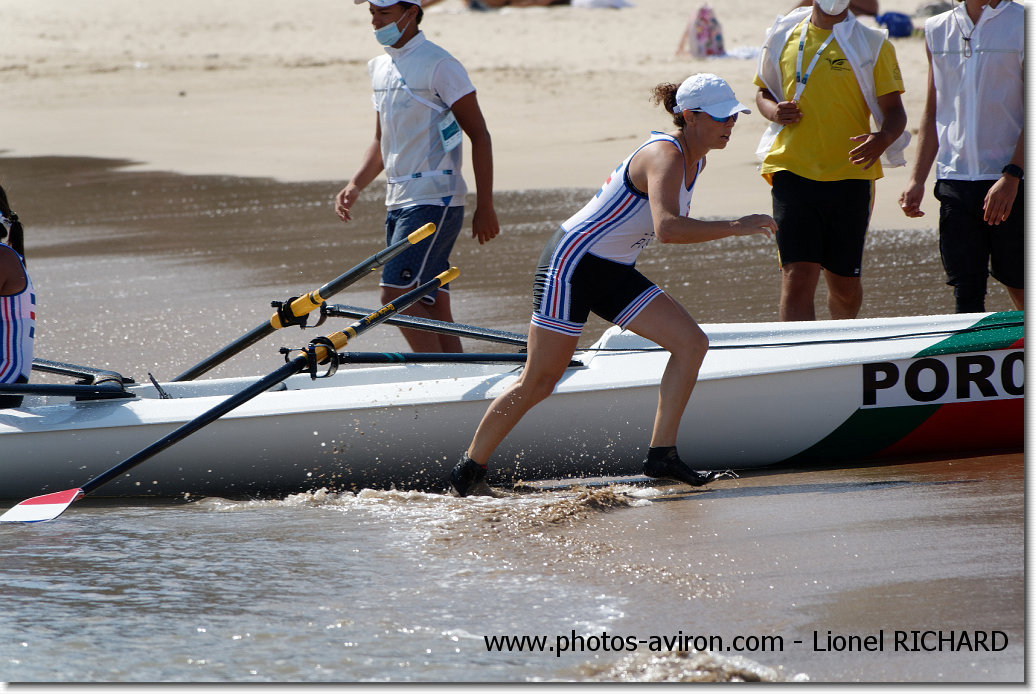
(149, 272)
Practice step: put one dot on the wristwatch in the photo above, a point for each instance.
(1014, 170)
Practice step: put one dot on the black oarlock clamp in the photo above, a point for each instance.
(332, 359)
(285, 315)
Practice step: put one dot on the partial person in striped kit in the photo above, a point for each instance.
(17, 305)
(425, 104)
(589, 265)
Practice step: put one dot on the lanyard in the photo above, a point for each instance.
(801, 79)
(435, 107)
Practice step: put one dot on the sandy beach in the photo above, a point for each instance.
(267, 89)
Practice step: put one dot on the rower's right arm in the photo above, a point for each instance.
(661, 167)
(370, 167)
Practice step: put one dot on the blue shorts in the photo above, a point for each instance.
(425, 259)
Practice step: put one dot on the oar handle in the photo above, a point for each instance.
(308, 303)
(341, 338)
(304, 305)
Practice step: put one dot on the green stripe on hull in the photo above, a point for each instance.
(866, 433)
(869, 431)
(995, 331)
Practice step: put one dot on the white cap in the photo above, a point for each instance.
(709, 93)
(386, 3)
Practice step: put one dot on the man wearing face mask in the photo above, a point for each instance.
(857, 7)
(425, 103)
(822, 76)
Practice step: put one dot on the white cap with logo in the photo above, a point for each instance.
(708, 93)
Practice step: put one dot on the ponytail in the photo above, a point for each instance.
(665, 95)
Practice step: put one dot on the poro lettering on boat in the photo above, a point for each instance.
(969, 377)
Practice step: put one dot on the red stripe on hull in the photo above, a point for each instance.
(967, 426)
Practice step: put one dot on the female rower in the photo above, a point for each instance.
(588, 265)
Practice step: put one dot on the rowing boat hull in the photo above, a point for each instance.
(769, 393)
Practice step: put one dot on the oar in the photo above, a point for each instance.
(304, 305)
(434, 326)
(438, 358)
(99, 390)
(50, 506)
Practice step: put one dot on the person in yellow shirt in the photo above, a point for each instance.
(822, 76)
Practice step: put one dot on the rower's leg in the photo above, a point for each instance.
(549, 355)
(668, 324)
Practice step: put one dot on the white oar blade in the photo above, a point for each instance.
(41, 508)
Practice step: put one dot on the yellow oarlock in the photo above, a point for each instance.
(304, 305)
(341, 338)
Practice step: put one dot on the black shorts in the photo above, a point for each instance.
(822, 222)
(563, 298)
(972, 248)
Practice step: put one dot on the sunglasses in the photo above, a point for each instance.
(728, 119)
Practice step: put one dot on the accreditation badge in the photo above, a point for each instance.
(449, 131)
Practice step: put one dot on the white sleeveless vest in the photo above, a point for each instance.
(981, 106)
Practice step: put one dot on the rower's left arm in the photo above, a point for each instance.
(484, 224)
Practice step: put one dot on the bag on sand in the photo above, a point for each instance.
(897, 23)
(703, 36)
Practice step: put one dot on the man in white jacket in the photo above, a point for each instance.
(973, 130)
(822, 76)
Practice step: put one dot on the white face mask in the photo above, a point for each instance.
(834, 7)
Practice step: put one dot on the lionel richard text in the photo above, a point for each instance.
(911, 640)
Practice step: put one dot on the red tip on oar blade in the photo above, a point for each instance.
(41, 508)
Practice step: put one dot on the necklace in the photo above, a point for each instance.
(966, 38)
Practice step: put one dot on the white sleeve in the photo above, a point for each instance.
(451, 81)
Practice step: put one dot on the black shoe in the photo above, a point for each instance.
(466, 475)
(671, 467)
